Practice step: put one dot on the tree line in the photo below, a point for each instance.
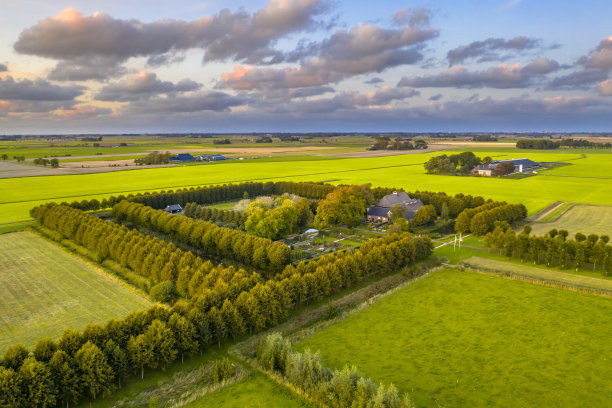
(481, 219)
(214, 241)
(331, 388)
(385, 143)
(228, 217)
(455, 164)
(92, 363)
(554, 248)
(154, 158)
(546, 144)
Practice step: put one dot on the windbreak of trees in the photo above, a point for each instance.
(553, 249)
(45, 162)
(547, 144)
(331, 388)
(226, 304)
(481, 219)
(154, 158)
(455, 164)
(385, 143)
(214, 241)
(199, 212)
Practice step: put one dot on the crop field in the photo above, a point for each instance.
(403, 171)
(465, 339)
(44, 290)
(588, 219)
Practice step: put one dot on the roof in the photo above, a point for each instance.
(484, 167)
(412, 206)
(392, 199)
(183, 156)
(378, 212)
(311, 231)
(526, 163)
(173, 207)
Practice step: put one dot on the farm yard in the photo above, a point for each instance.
(45, 290)
(464, 339)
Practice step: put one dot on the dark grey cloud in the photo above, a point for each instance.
(197, 102)
(601, 57)
(435, 97)
(578, 80)
(489, 49)
(73, 38)
(502, 77)
(373, 81)
(87, 67)
(3, 68)
(38, 90)
(143, 85)
(362, 49)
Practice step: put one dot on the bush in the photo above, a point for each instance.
(164, 292)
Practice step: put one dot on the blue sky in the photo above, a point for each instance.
(305, 65)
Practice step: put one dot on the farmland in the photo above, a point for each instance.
(592, 219)
(491, 342)
(44, 290)
(584, 178)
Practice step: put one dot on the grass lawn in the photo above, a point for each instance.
(464, 339)
(45, 290)
(588, 219)
(257, 391)
(585, 180)
(228, 205)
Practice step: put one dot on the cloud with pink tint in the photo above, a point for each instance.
(82, 111)
(601, 57)
(605, 88)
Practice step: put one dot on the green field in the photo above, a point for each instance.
(45, 290)
(257, 391)
(588, 219)
(405, 171)
(459, 339)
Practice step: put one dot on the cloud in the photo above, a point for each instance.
(373, 81)
(502, 77)
(605, 88)
(413, 17)
(435, 97)
(601, 57)
(87, 67)
(143, 85)
(578, 79)
(85, 41)
(197, 102)
(3, 68)
(38, 90)
(82, 112)
(488, 50)
(363, 49)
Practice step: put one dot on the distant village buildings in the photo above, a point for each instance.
(186, 157)
(382, 210)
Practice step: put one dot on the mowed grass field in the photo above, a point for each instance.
(257, 391)
(44, 290)
(460, 339)
(588, 219)
(21, 194)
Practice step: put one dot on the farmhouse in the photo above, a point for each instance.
(174, 209)
(381, 211)
(520, 166)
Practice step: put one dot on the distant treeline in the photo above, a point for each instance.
(454, 164)
(547, 144)
(230, 303)
(484, 138)
(385, 143)
(154, 158)
(553, 249)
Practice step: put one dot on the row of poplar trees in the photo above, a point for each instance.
(554, 248)
(227, 303)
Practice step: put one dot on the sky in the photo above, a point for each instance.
(109, 66)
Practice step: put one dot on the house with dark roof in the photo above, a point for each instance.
(484, 169)
(174, 209)
(381, 211)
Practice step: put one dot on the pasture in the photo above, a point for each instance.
(45, 290)
(405, 171)
(465, 339)
(588, 219)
